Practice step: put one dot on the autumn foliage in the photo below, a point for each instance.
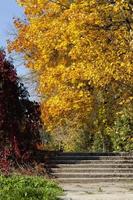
(82, 52)
(19, 117)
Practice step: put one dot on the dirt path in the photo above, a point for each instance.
(99, 191)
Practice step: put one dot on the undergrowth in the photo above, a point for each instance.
(18, 187)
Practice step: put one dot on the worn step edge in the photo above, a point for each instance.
(65, 170)
(94, 165)
(93, 180)
(89, 161)
(96, 154)
(93, 175)
(92, 157)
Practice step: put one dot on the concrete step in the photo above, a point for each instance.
(94, 154)
(89, 161)
(93, 175)
(86, 157)
(92, 170)
(92, 165)
(94, 180)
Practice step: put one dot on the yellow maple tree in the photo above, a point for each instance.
(79, 49)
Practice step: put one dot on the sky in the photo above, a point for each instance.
(8, 10)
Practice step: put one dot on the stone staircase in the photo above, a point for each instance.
(91, 167)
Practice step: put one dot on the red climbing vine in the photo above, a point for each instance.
(19, 117)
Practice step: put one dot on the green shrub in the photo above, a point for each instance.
(122, 134)
(28, 188)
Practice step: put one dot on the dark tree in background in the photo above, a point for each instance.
(19, 117)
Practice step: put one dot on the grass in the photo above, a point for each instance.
(131, 189)
(100, 189)
(18, 187)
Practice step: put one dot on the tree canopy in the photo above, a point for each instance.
(82, 52)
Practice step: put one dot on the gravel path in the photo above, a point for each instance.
(99, 191)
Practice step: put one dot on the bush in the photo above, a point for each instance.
(28, 188)
(122, 133)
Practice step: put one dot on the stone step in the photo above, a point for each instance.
(85, 157)
(89, 161)
(91, 167)
(94, 154)
(94, 165)
(93, 175)
(94, 180)
(90, 170)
